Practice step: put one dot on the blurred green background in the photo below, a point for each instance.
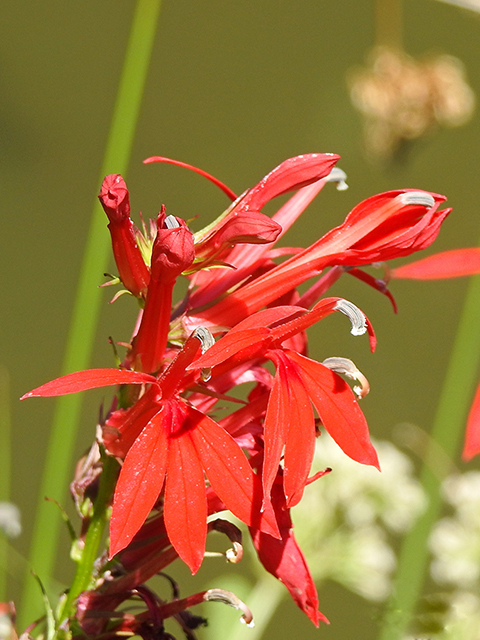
(234, 88)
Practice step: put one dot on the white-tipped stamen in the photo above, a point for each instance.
(340, 177)
(353, 313)
(349, 369)
(206, 340)
(171, 222)
(417, 197)
(227, 597)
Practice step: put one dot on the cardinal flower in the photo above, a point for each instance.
(173, 447)
(307, 173)
(299, 383)
(383, 227)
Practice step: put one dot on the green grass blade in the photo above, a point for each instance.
(5, 468)
(85, 314)
(447, 434)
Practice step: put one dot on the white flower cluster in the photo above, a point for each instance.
(344, 520)
(455, 545)
(10, 520)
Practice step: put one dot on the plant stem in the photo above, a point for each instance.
(87, 304)
(5, 479)
(96, 528)
(447, 433)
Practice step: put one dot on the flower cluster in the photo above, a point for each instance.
(181, 461)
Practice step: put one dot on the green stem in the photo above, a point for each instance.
(5, 478)
(96, 528)
(87, 304)
(447, 434)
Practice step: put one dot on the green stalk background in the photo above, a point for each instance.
(446, 437)
(58, 465)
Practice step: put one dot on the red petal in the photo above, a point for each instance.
(123, 426)
(471, 448)
(229, 472)
(89, 379)
(245, 227)
(299, 427)
(448, 264)
(275, 433)
(185, 508)
(375, 283)
(284, 559)
(248, 332)
(139, 483)
(338, 410)
(230, 345)
(293, 173)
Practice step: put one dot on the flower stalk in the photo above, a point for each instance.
(87, 304)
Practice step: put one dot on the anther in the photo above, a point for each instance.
(417, 197)
(340, 177)
(171, 222)
(349, 369)
(353, 313)
(206, 340)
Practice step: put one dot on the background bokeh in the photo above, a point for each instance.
(235, 88)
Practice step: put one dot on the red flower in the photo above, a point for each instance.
(386, 226)
(175, 445)
(131, 266)
(299, 382)
(172, 253)
(178, 462)
(295, 173)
